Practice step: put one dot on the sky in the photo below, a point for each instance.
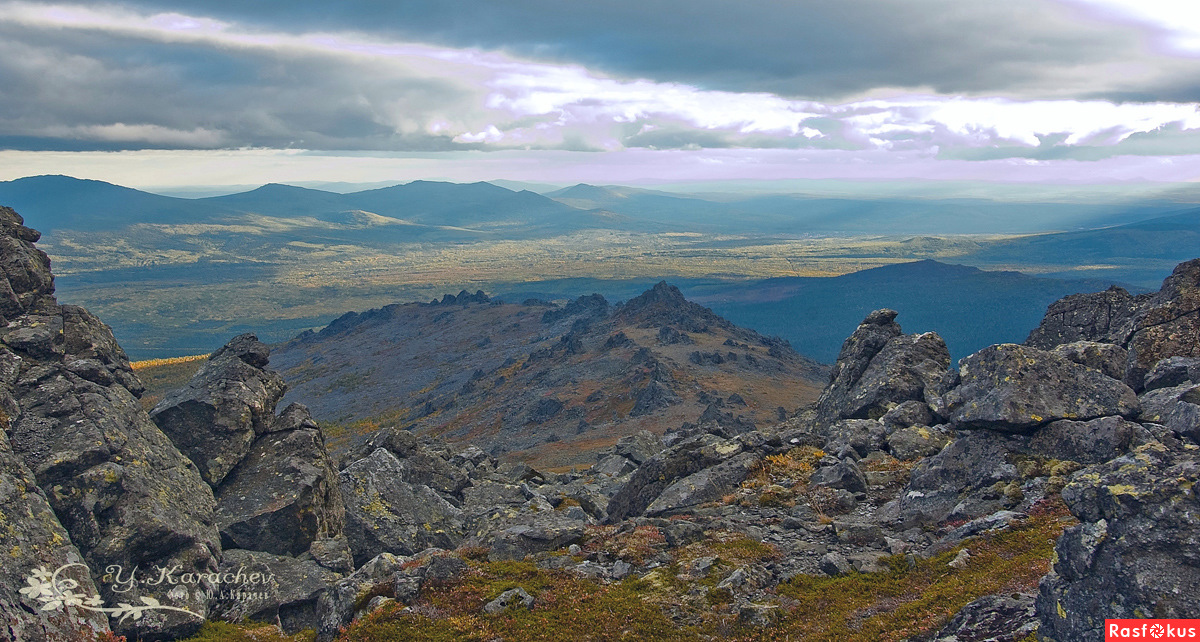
(158, 93)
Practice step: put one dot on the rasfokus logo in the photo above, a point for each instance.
(1151, 630)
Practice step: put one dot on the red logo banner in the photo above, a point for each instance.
(1165, 630)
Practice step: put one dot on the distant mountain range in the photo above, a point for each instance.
(51, 203)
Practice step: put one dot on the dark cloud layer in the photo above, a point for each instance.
(815, 49)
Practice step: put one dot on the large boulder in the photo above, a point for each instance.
(385, 514)
(1015, 388)
(655, 475)
(230, 401)
(283, 496)
(963, 481)
(263, 587)
(879, 368)
(706, 485)
(35, 542)
(1136, 552)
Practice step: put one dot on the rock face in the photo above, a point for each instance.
(123, 492)
(1014, 388)
(1135, 553)
(216, 417)
(1150, 327)
(30, 528)
(879, 368)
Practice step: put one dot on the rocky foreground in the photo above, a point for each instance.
(217, 505)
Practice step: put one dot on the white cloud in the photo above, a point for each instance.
(1176, 23)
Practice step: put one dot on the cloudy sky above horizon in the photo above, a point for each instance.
(167, 92)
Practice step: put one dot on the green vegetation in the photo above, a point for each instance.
(247, 632)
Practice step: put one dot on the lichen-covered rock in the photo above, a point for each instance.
(231, 400)
(1106, 357)
(283, 496)
(385, 514)
(706, 485)
(653, 477)
(335, 607)
(119, 486)
(879, 367)
(1172, 371)
(915, 442)
(844, 475)
(1087, 442)
(1015, 388)
(863, 436)
(25, 279)
(1101, 316)
(963, 481)
(263, 587)
(992, 618)
(1169, 326)
(1136, 553)
(512, 598)
(33, 539)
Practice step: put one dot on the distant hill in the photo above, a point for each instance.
(556, 383)
(1142, 252)
(968, 307)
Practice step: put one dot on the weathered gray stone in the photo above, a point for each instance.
(270, 588)
(992, 618)
(512, 598)
(916, 442)
(282, 497)
(1102, 316)
(844, 475)
(335, 607)
(1086, 442)
(387, 515)
(706, 485)
(1015, 388)
(834, 563)
(1106, 357)
(1172, 371)
(677, 462)
(879, 368)
(1136, 552)
(231, 400)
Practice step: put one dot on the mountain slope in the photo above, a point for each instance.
(555, 383)
(970, 308)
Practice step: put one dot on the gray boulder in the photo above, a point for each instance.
(1087, 442)
(961, 481)
(915, 442)
(283, 496)
(1172, 371)
(662, 470)
(1169, 326)
(512, 598)
(844, 475)
(992, 618)
(1101, 316)
(1015, 388)
(25, 279)
(230, 401)
(263, 587)
(1135, 552)
(1105, 357)
(385, 514)
(336, 606)
(706, 485)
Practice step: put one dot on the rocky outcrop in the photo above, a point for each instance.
(1134, 554)
(880, 368)
(653, 477)
(1014, 388)
(37, 545)
(126, 496)
(216, 417)
(1150, 327)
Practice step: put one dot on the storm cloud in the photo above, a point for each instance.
(943, 79)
